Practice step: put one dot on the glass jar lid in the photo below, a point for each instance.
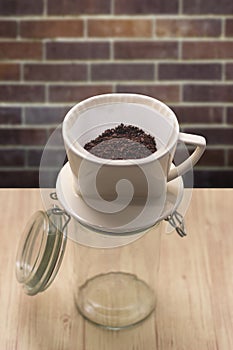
(41, 250)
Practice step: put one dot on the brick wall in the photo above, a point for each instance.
(56, 53)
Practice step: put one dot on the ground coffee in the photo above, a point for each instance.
(122, 142)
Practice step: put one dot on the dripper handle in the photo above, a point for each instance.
(187, 164)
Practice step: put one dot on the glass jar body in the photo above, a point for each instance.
(116, 287)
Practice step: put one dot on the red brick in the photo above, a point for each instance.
(198, 115)
(45, 115)
(212, 157)
(206, 93)
(188, 71)
(166, 93)
(207, 7)
(213, 178)
(229, 27)
(9, 71)
(57, 138)
(34, 157)
(51, 72)
(11, 136)
(120, 71)
(77, 50)
(230, 115)
(22, 93)
(214, 135)
(78, 7)
(120, 28)
(54, 157)
(10, 115)
(20, 50)
(207, 50)
(188, 27)
(229, 71)
(12, 157)
(19, 178)
(230, 157)
(145, 50)
(21, 7)
(146, 7)
(51, 28)
(8, 29)
(74, 93)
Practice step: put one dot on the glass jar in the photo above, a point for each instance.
(116, 287)
(114, 275)
(113, 286)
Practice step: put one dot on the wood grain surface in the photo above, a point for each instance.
(195, 289)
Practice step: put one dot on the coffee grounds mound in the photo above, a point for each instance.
(122, 142)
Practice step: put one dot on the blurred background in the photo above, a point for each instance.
(54, 54)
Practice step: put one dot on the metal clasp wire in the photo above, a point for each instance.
(176, 220)
(58, 211)
(53, 195)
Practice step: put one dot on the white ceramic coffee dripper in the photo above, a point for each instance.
(96, 179)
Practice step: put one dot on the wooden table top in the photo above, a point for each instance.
(195, 293)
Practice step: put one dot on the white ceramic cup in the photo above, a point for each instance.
(98, 178)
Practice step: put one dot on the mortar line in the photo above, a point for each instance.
(89, 77)
(45, 8)
(120, 16)
(44, 51)
(156, 71)
(69, 104)
(17, 29)
(150, 39)
(223, 28)
(136, 60)
(180, 7)
(168, 82)
(46, 88)
(112, 7)
(180, 50)
(111, 47)
(85, 28)
(224, 117)
(223, 71)
(23, 117)
(21, 72)
(226, 157)
(181, 93)
(154, 24)
(26, 158)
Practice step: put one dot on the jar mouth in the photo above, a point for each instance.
(114, 224)
(40, 252)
